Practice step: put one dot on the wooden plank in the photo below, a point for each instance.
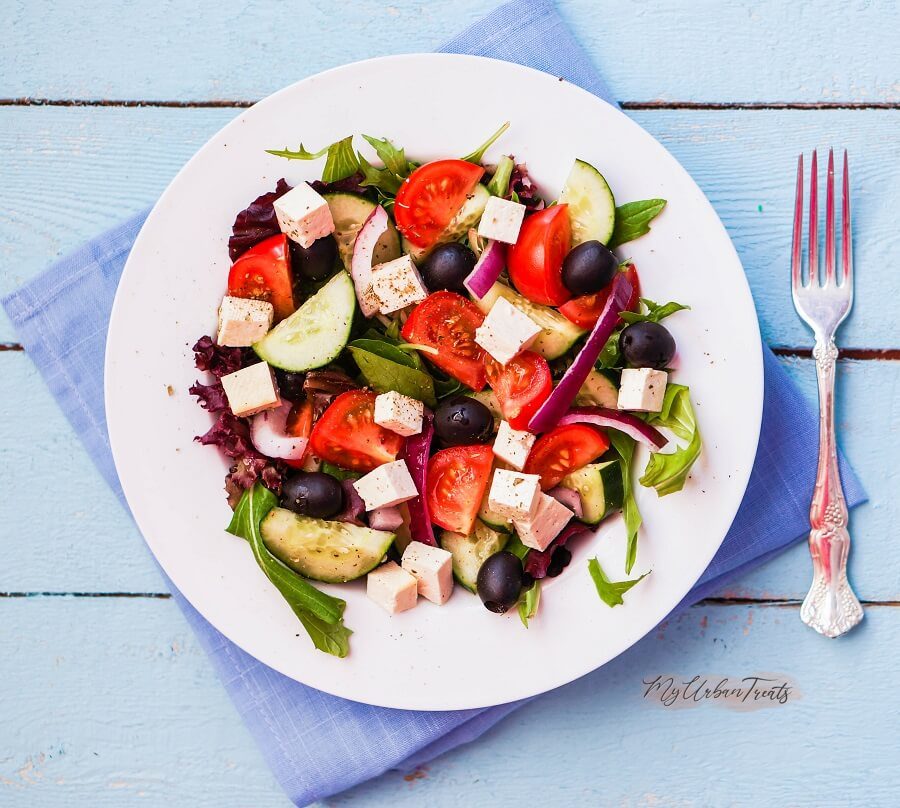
(116, 703)
(99, 165)
(87, 543)
(646, 50)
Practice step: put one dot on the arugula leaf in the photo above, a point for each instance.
(499, 184)
(321, 615)
(654, 312)
(667, 473)
(624, 446)
(385, 180)
(393, 158)
(528, 605)
(300, 154)
(475, 156)
(384, 374)
(610, 592)
(340, 163)
(633, 220)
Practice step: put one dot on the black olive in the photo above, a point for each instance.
(315, 262)
(290, 385)
(312, 493)
(499, 582)
(588, 268)
(447, 267)
(462, 421)
(647, 345)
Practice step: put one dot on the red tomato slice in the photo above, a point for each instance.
(299, 425)
(264, 273)
(447, 321)
(431, 196)
(535, 260)
(521, 386)
(455, 486)
(346, 434)
(584, 310)
(563, 450)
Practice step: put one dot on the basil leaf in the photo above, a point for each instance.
(610, 592)
(393, 158)
(624, 446)
(499, 184)
(528, 605)
(633, 220)
(654, 312)
(667, 473)
(475, 156)
(385, 375)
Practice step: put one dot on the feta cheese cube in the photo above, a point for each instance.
(501, 220)
(514, 494)
(389, 484)
(544, 525)
(642, 389)
(392, 587)
(506, 331)
(399, 413)
(243, 322)
(432, 568)
(513, 445)
(303, 215)
(251, 389)
(397, 284)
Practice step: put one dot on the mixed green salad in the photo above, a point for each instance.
(429, 374)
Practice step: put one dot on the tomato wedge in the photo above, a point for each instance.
(264, 273)
(431, 196)
(535, 260)
(521, 386)
(447, 321)
(563, 450)
(299, 425)
(455, 486)
(584, 310)
(346, 434)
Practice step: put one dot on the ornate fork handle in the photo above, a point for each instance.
(830, 607)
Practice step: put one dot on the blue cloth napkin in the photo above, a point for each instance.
(316, 744)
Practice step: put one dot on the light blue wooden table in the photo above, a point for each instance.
(106, 698)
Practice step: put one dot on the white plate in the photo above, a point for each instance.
(458, 655)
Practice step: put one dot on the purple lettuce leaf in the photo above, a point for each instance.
(257, 222)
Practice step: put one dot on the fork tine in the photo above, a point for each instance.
(796, 263)
(829, 222)
(814, 221)
(846, 230)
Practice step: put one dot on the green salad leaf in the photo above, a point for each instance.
(667, 473)
(338, 473)
(299, 154)
(515, 546)
(385, 367)
(394, 159)
(383, 179)
(633, 220)
(653, 311)
(499, 184)
(477, 155)
(340, 163)
(610, 355)
(321, 615)
(610, 592)
(624, 446)
(528, 605)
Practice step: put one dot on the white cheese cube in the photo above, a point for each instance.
(392, 587)
(399, 413)
(506, 331)
(513, 445)
(642, 389)
(514, 494)
(243, 322)
(389, 484)
(432, 568)
(397, 284)
(501, 220)
(543, 526)
(303, 215)
(251, 389)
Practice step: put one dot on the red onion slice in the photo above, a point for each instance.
(564, 393)
(415, 453)
(387, 518)
(568, 497)
(361, 262)
(487, 269)
(269, 434)
(625, 422)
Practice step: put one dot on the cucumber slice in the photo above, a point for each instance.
(324, 551)
(470, 552)
(314, 334)
(600, 488)
(491, 518)
(468, 217)
(489, 398)
(350, 212)
(592, 207)
(559, 333)
(598, 390)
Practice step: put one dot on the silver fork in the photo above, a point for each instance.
(831, 607)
